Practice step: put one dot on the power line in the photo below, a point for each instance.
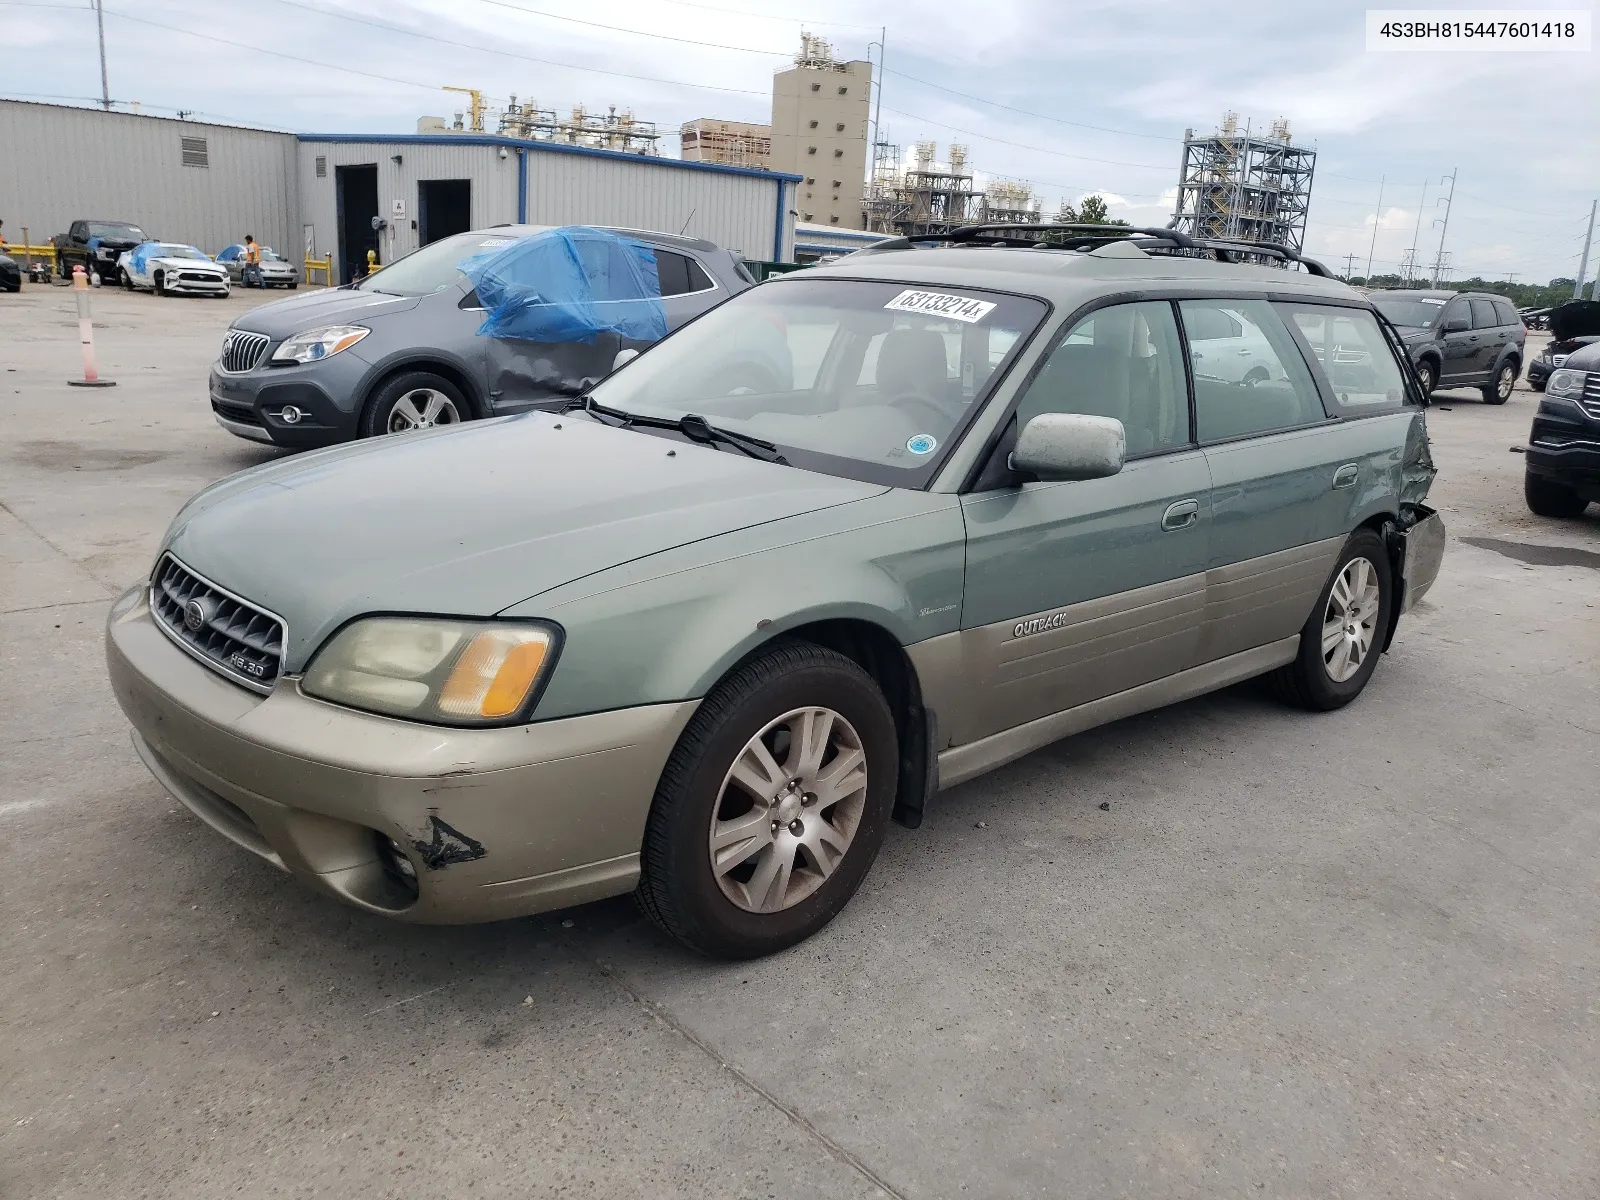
(662, 37)
(739, 12)
(1029, 112)
(1024, 145)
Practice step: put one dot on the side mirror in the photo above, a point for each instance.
(623, 358)
(1457, 325)
(1057, 446)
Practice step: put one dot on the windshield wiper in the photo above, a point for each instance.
(692, 425)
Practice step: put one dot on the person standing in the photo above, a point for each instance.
(252, 262)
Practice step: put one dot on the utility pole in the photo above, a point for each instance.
(1583, 267)
(1377, 217)
(883, 36)
(1438, 258)
(1416, 236)
(1349, 267)
(100, 23)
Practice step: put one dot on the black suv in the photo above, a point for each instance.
(1563, 459)
(1459, 339)
(1572, 325)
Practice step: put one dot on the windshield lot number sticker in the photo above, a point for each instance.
(941, 304)
(922, 443)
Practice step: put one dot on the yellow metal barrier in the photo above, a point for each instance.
(373, 265)
(19, 250)
(325, 265)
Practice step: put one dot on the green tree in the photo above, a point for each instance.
(1093, 211)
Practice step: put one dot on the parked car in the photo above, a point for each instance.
(1563, 459)
(276, 271)
(1459, 339)
(400, 350)
(10, 274)
(1572, 325)
(701, 635)
(171, 269)
(95, 246)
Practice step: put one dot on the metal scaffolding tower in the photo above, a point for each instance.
(929, 197)
(1244, 187)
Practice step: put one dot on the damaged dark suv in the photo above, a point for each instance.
(1563, 459)
(1573, 326)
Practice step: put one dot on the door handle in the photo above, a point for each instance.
(1180, 515)
(1346, 475)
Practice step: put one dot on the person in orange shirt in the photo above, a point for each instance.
(252, 262)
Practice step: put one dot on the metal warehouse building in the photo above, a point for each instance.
(318, 193)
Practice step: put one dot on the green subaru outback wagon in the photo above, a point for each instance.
(854, 536)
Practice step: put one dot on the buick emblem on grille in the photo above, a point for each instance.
(197, 612)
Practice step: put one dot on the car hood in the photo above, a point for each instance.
(1575, 318)
(334, 306)
(186, 264)
(472, 520)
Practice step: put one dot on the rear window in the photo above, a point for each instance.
(1483, 315)
(1354, 358)
(1507, 314)
(679, 274)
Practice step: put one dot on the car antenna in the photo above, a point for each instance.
(685, 228)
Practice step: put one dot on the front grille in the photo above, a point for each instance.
(233, 410)
(1590, 402)
(199, 277)
(229, 635)
(241, 351)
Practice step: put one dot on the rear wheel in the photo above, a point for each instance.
(1341, 640)
(773, 805)
(1547, 498)
(415, 400)
(1499, 390)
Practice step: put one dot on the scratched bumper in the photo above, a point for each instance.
(494, 823)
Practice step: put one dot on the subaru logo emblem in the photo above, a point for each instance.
(195, 614)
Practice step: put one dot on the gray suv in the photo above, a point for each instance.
(1459, 339)
(400, 349)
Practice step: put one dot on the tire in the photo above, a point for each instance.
(63, 268)
(721, 915)
(414, 392)
(1547, 498)
(125, 279)
(292, 286)
(1311, 681)
(159, 289)
(1499, 391)
(1537, 385)
(1428, 374)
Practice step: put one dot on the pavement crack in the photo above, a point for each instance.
(660, 1013)
(111, 592)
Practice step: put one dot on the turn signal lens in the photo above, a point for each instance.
(492, 678)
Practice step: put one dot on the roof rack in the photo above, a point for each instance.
(1087, 237)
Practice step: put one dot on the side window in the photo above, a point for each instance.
(1126, 362)
(79, 231)
(1483, 315)
(1454, 311)
(1255, 383)
(1354, 356)
(1507, 314)
(699, 281)
(673, 271)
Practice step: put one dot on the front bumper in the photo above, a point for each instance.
(180, 286)
(1564, 446)
(251, 404)
(1539, 371)
(494, 823)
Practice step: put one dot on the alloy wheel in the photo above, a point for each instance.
(1350, 622)
(422, 409)
(788, 810)
(1504, 384)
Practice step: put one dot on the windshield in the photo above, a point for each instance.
(872, 381)
(433, 268)
(168, 250)
(268, 254)
(1414, 312)
(116, 230)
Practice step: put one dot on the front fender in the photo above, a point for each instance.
(673, 624)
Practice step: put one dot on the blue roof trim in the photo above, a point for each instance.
(777, 223)
(484, 139)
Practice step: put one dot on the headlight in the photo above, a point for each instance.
(442, 672)
(316, 344)
(1566, 383)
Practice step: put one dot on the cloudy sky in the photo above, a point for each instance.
(1094, 97)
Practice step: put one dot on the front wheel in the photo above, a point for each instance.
(160, 286)
(1499, 391)
(1547, 498)
(1341, 640)
(1428, 377)
(773, 805)
(415, 400)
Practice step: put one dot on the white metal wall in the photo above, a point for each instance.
(737, 212)
(493, 179)
(59, 163)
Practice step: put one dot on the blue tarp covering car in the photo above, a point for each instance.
(569, 285)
